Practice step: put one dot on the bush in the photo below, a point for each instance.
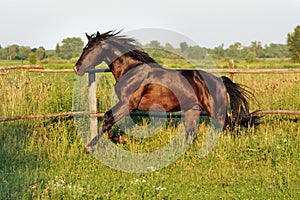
(32, 58)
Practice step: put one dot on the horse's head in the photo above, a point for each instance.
(92, 54)
(111, 48)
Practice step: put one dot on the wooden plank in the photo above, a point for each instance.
(37, 116)
(22, 67)
(217, 70)
(278, 112)
(93, 104)
(101, 70)
(52, 70)
(158, 115)
(254, 71)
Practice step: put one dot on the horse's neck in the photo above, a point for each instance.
(123, 64)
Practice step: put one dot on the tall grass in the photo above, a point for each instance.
(45, 159)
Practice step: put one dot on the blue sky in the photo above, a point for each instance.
(209, 23)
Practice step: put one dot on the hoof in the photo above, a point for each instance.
(89, 150)
(118, 140)
(121, 140)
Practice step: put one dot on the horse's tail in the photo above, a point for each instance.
(239, 104)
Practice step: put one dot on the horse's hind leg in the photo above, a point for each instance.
(191, 121)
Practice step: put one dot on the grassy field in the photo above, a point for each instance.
(45, 159)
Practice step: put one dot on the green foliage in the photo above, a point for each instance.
(256, 49)
(275, 51)
(234, 51)
(41, 53)
(15, 52)
(293, 42)
(32, 58)
(154, 44)
(71, 47)
(195, 52)
(57, 48)
(183, 46)
(169, 47)
(11, 52)
(218, 52)
(2, 56)
(24, 52)
(51, 54)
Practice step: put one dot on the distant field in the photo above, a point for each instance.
(45, 159)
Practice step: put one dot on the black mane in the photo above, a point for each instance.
(128, 46)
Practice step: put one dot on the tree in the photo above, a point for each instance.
(11, 52)
(57, 48)
(169, 47)
(219, 51)
(154, 44)
(196, 52)
(41, 53)
(275, 51)
(50, 53)
(256, 48)
(234, 50)
(183, 46)
(293, 42)
(71, 47)
(2, 55)
(32, 58)
(24, 52)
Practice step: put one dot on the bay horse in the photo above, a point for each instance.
(143, 84)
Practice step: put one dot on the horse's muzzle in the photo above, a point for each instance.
(75, 70)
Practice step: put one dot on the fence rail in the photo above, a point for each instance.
(217, 70)
(92, 92)
(22, 67)
(255, 71)
(41, 69)
(43, 116)
(157, 115)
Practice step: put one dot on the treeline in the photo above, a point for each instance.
(251, 52)
(72, 48)
(235, 51)
(16, 52)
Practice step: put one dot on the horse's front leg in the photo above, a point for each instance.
(109, 121)
(112, 116)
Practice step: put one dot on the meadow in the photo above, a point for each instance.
(45, 158)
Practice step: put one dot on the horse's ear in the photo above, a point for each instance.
(98, 34)
(88, 37)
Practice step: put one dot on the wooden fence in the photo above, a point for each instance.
(93, 100)
(229, 71)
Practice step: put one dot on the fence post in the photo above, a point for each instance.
(92, 104)
(231, 66)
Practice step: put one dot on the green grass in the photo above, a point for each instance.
(45, 159)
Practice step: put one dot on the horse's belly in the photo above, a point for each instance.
(159, 99)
